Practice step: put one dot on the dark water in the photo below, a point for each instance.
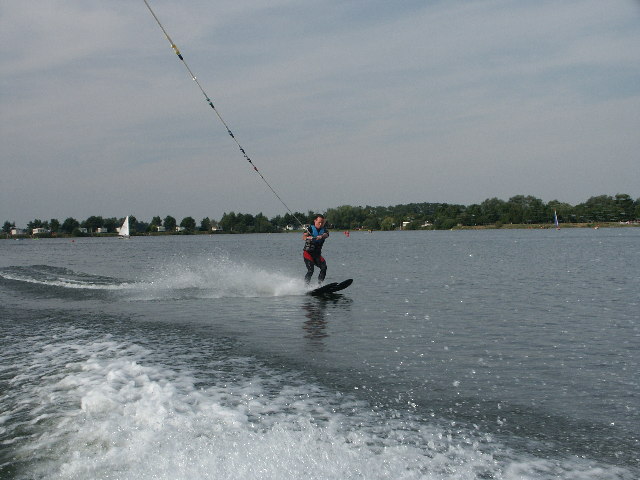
(488, 354)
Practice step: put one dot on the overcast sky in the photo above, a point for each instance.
(336, 102)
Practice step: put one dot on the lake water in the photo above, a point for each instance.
(495, 354)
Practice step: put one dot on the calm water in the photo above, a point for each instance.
(454, 355)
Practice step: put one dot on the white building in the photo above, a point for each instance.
(161, 228)
(102, 230)
(39, 230)
(18, 231)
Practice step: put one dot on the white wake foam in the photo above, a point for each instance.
(97, 408)
(214, 278)
(61, 277)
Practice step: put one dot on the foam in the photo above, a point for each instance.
(67, 283)
(99, 408)
(214, 277)
(211, 277)
(60, 277)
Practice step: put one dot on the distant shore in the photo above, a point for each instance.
(510, 226)
(547, 226)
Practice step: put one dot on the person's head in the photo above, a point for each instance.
(319, 221)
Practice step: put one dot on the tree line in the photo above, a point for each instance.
(94, 224)
(495, 212)
(519, 209)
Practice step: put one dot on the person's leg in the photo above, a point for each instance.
(309, 264)
(322, 265)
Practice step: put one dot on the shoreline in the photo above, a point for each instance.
(537, 226)
(544, 226)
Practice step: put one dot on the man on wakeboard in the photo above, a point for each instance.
(314, 237)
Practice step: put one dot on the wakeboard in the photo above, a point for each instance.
(330, 288)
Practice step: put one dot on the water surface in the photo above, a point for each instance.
(465, 354)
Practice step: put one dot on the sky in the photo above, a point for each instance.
(336, 102)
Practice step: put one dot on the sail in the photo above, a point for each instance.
(124, 229)
(555, 219)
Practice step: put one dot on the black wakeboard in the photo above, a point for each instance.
(330, 288)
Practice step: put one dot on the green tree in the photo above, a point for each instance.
(515, 210)
(37, 223)
(246, 223)
(155, 223)
(563, 210)
(93, 223)
(293, 219)
(601, 208)
(446, 223)
(278, 222)
(371, 223)
(170, 223)
(241, 222)
(492, 210)
(189, 224)
(536, 209)
(342, 217)
(447, 216)
(262, 224)
(388, 223)
(135, 226)
(525, 209)
(6, 228)
(626, 207)
(69, 225)
(472, 215)
(205, 224)
(54, 225)
(228, 221)
(112, 224)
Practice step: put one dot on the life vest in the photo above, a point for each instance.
(314, 246)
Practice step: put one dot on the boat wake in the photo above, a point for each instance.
(59, 277)
(97, 406)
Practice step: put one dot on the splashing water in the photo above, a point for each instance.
(215, 277)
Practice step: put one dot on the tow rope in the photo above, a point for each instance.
(208, 100)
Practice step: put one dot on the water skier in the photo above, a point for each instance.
(314, 237)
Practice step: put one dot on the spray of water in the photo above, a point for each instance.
(211, 277)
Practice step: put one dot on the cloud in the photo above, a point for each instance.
(359, 103)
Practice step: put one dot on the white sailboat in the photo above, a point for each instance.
(555, 220)
(124, 229)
